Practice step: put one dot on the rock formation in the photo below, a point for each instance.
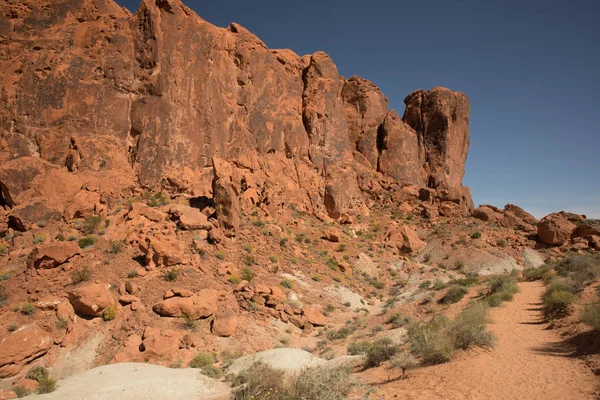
(109, 100)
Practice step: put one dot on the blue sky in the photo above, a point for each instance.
(531, 69)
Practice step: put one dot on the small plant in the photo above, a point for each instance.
(248, 274)
(116, 246)
(259, 381)
(591, 316)
(176, 364)
(157, 200)
(427, 257)
(376, 329)
(249, 248)
(400, 320)
(286, 283)
(37, 373)
(381, 351)
(81, 275)
(27, 309)
(39, 238)
(248, 260)
(189, 322)
(403, 361)
(459, 264)
(438, 285)
(425, 285)
(274, 258)
(47, 385)
(220, 255)
(317, 278)
(87, 241)
(132, 273)
(476, 235)
(322, 383)
(211, 371)
(12, 327)
(359, 348)
(20, 391)
(92, 224)
(501, 243)
(557, 302)
(342, 333)
(454, 294)
(171, 275)
(376, 283)
(109, 313)
(4, 276)
(203, 359)
(234, 279)
(3, 249)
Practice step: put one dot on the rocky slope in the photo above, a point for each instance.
(170, 187)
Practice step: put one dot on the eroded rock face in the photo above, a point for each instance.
(52, 255)
(555, 229)
(90, 300)
(21, 346)
(113, 99)
(201, 305)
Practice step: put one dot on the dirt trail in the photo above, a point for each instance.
(521, 366)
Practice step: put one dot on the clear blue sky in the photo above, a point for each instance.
(531, 69)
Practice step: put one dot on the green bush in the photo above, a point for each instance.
(591, 316)
(342, 333)
(322, 383)
(20, 391)
(248, 274)
(109, 313)
(501, 242)
(469, 328)
(116, 246)
(556, 302)
(211, 371)
(286, 283)
(87, 241)
(171, 275)
(260, 381)
(47, 385)
(454, 294)
(500, 289)
(399, 320)
(39, 238)
(580, 268)
(381, 351)
(28, 309)
(37, 373)
(203, 359)
(403, 361)
(220, 255)
(92, 224)
(81, 275)
(534, 274)
(359, 348)
(429, 341)
(475, 235)
(158, 199)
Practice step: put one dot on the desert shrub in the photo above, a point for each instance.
(358, 348)
(248, 248)
(158, 199)
(47, 385)
(81, 275)
(381, 351)
(20, 391)
(248, 260)
(556, 302)
(286, 283)
(116, 246)
(469, 280)
(322, 383)
(39, 238)
(211, 371)
(260, 381)
(248, 274)
(176, 364)
(438, 285)
(496, 299)
(28, 309)
(500, 289)
(425, 285)
(220, 255)
(37, 373)
(317, 278)
(3, 249)
(427, 257)
(476, 235)
(591, 316)
(4, 276)
(580, 268)
(171, 275)
(429, 341)
(92, 224)
(534, 274)
(403, 361)
(62, 323)
(189, 322)
(109, 313)
(342, 333)
(12, 327)
(274, 258)
(203, 359)
(399, 320)
(468, 329)
(3, 295)
(132, 273)
(454, 294)
(234, 279)
(87, 241)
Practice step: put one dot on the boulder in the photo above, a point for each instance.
(201, 305)
(163, 251)
(555, 229)
(22, 346)
(84, 204)
(192, 219)
(51, 255)
(332, 234)
(224, 325)
(405, 240)
(486, 213)
(314, 316)
(587, 229)
(90, 300)
(33, 211)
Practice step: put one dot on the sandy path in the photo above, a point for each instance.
(517, 368)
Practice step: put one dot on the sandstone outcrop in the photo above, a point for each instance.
(164, 98)
(90, 300)
(555, 229)
(22, 346)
